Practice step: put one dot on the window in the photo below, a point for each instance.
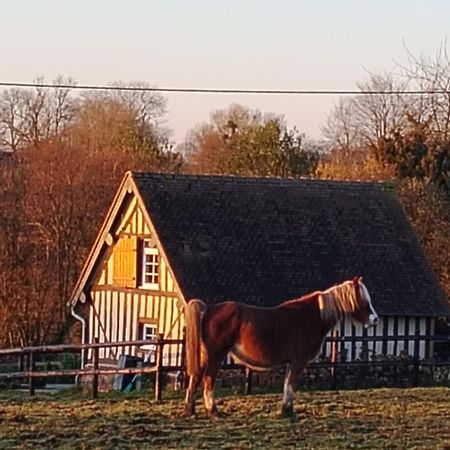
(149, 332)
(150, 266)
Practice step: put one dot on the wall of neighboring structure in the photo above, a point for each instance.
(117, 315)
(120, 307)
(388, 326)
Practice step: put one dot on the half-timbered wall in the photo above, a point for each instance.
(386, 328)
(116, 315)
(120, 307)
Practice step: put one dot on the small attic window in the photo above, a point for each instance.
(150, 266)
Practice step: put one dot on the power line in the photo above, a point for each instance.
(223, 91)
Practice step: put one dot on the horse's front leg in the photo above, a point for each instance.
(290, 385)
(209, 379)
(189, 403)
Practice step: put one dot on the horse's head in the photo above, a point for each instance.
(364, 312)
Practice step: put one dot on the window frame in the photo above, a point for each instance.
(149, 248)
(150, 349)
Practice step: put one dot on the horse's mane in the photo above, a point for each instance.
(338, 301)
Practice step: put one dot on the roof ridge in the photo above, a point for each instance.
(255, 179)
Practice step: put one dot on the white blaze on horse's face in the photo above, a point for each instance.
(373, 318)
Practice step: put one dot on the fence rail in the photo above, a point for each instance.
(94, 371)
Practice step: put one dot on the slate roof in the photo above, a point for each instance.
(265, 240)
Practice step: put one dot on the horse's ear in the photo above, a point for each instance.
(357, 280)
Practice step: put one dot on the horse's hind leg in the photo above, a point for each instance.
(189, 404)
(209, 379)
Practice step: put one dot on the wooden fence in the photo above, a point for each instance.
(94, 370)
(31, 374)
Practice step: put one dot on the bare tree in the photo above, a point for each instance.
(380, 115)
(32, 116)
(432, 76)
(11, 119)
(62, 104)
(148, 106)
(340, 130)
(360, 121)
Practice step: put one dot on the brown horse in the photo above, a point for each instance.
(263, 338)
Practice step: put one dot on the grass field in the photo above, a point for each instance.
(365, 419)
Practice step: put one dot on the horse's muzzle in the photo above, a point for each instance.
(373, 320)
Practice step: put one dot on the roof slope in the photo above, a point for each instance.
(265, 240)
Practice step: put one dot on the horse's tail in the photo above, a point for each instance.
(193, 314)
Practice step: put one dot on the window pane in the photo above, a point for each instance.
(149, 331)
(150, 266)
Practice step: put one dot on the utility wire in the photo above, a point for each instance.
(223, 91)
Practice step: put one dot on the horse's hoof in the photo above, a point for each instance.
(287, 413)
(213, 414)
(214, 417)
(189, 411)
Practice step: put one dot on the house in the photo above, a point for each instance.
(169, 238)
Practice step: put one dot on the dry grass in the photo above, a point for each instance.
(365, 419)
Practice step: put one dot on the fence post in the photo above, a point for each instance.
(94, 370)
(31, 367)
(248, 381)
(158, 377)
(416, 357)
(333, 358)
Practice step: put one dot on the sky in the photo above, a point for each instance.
(245, 44)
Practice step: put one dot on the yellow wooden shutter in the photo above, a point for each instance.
(125, 261)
